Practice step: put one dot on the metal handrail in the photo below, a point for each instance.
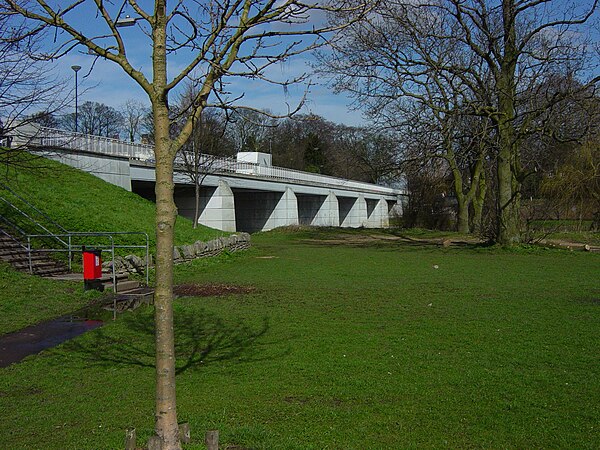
(68, 242)
(15, 227)
(32, 220)
(42, 213)
(112, 247)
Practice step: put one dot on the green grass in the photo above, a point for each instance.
(82, 202)
(345, 345)
(26, 299)
(563, 225)
(564, 230)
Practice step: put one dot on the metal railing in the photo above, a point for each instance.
(53, 138)
(66, 241)
(103, 248)
(38, 227)
(224, 165)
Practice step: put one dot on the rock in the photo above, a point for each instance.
(188, 251)
(199, 247)
(176, 254)
(135, 262)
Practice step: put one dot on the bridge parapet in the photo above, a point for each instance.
(53, 138)
(44, 137)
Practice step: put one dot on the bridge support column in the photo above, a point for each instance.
(378, 213)
(353, 211)
(396, 210)
(285, 212)
(219, 211)
(329, 212)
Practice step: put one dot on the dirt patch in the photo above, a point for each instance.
(374, 238)
(210, 290)
(295, 399)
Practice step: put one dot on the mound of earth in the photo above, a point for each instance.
(210, 290)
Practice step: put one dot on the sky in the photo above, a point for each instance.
(107, 83)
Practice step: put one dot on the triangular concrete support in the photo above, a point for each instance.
(329, 213)
(356, 215)
(219, 211)
(285, 211)
(379, 214)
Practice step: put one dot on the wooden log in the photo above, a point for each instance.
(184, 433)
(130, 438)
(212, 440)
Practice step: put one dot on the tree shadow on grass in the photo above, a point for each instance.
(201, 338)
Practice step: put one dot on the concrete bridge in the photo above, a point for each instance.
(245, 193)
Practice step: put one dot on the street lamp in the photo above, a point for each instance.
(126, 21)
(76, 69)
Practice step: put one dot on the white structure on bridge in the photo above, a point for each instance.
(243, 194)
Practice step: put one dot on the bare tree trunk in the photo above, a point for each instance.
(197, 201)
(478, 203)
(462, 219)
(508, 228)
(166, 416)
(166, 426)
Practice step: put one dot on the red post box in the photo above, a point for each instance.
(92, 268)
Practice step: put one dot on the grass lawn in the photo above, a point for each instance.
(351, 340)
(26, 299)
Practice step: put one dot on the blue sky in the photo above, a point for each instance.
(108, 84)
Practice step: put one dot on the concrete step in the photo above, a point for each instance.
(20, 256)
(107, 277)
(41, 269)
(11, 248)
(123, 286)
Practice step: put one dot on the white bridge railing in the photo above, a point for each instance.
(53, 138)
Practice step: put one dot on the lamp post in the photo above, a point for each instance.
(76, 69)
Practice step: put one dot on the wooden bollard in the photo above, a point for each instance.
(184, 433)
(212, 440)
(130, 438)
(154, 443)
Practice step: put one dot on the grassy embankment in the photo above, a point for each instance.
(349, 341)
(79, 202)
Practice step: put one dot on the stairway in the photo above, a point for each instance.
(15, 253)
(130, 293)
(123, 282)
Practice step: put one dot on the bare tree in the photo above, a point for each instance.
(201, 154)
(133, 113)
(25, 85)
(251, 131)
(221, 39)
(94, 118)
(487, 59)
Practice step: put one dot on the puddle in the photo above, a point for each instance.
(33, 339)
